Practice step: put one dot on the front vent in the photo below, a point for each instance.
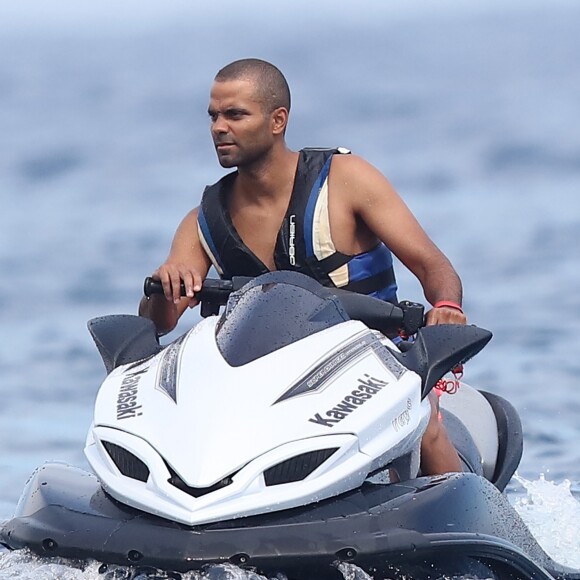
(297, 468)
(176, 481)
(126, 462)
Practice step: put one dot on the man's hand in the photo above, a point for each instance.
(172, 274)
(187, 263)
(445, 315)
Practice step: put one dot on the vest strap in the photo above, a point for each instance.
(333, 262)
(373, 283)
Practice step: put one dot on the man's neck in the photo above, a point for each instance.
(270, 180)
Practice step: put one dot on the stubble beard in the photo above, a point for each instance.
(242, 159)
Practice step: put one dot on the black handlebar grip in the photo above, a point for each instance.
(152, 286)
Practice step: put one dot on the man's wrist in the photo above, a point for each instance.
(448, 304)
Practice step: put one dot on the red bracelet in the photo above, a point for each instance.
(448, 304)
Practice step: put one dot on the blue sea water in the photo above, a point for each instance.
(472, 112)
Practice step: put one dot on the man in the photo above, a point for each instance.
(326, 213)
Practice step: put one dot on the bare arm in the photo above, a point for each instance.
(366, 193)
(188, 263)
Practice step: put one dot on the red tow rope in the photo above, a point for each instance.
(450, 385)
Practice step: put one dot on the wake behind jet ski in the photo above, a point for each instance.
(284, 436)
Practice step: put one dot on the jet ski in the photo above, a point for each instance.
(283, 436)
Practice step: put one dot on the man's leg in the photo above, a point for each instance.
(438, 455)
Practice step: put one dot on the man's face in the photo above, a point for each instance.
(240, 128)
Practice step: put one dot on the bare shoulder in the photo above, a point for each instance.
(367, 193)
(191, 216)
(349, 165)
(360, 181)
(186, 242)
(188, 225)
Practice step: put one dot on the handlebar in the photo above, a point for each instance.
(213, 294)
(406, 317)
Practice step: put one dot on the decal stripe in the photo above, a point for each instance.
(167, 374)
(318, 377)
(388, 360)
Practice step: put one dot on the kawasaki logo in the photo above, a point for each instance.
(366, 389)
(127, 406)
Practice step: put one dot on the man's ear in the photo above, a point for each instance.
(279, 120)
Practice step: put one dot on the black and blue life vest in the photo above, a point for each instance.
(304, 242)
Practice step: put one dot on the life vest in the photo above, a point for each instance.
(304, 242)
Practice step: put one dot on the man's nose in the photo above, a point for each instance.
(219, 126)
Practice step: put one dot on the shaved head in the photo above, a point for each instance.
(271, 87)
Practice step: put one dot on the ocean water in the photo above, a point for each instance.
(472, 112)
